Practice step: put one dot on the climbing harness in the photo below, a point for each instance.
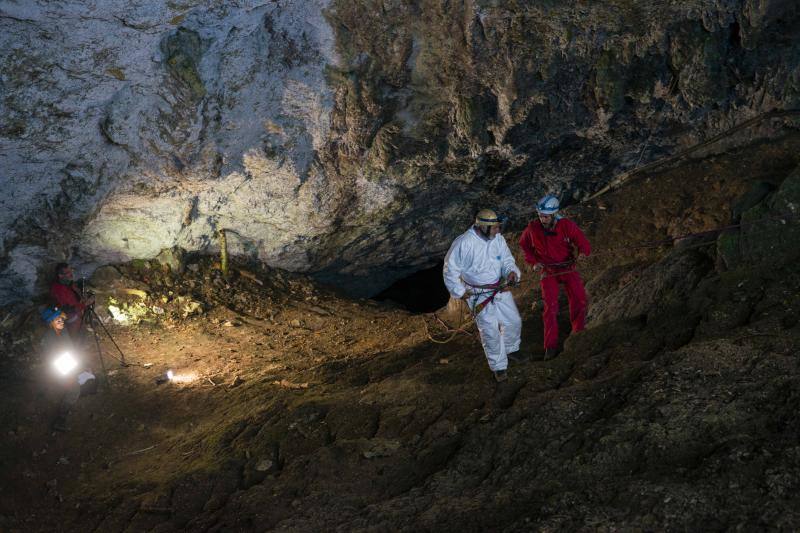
(547, 268)
(490, 290)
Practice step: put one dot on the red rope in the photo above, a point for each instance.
(662, 242)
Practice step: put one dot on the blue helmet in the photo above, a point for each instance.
(50, 313)
(548, 205)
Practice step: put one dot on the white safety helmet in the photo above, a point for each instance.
(548, 205)
(486, 218)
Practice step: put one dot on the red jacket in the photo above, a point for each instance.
(65, 295)
(550, 247)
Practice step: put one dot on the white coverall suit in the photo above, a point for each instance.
(474, 260)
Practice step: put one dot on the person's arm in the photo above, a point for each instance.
(510, 269)
(65, 296)
(526, 243)
(580, 240)
(452, 270)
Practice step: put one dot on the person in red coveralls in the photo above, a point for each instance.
(553, 245)
(68, 297)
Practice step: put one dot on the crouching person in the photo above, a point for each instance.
(68, 297)
(478, 268)
(68, 374)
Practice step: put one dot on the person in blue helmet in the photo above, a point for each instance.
(479, 268)
(553, 245)
(68, 376)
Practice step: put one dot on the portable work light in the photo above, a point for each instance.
(165, 377)
(65, 363)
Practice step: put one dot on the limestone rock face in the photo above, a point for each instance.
(352, 139)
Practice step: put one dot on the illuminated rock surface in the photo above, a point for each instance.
(350, 139)
(294, 409)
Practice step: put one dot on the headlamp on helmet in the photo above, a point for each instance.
(50, 313)
(487, 218)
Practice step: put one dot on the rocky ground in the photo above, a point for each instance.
(296, 409)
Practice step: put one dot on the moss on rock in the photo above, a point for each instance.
(183, 50)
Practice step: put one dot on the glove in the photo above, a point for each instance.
(511, 280)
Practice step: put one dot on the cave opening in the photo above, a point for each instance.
(421, 292)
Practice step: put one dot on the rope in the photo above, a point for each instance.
(491, 289)
(671, 88)
(621, 179)
(556, 274)
(784, 219)
(453, 332)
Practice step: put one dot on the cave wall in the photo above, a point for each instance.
(351, 139)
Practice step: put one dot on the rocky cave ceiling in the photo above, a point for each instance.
(350, 139)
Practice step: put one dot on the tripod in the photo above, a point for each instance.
(94, 319)
(89, 317)
(91, 320)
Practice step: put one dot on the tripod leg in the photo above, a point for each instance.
(97, 318)
(100, 356)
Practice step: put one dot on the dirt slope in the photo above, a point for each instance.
(298, 410)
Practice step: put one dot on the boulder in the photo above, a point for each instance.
(668, 282)
(174, 258)
(769, 231)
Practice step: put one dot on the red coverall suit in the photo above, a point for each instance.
(555, 251)
(65, 296)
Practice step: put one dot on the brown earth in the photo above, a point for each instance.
(296, 409)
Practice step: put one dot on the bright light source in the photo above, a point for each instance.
(184, 377)
(172, 377)
(65, 363)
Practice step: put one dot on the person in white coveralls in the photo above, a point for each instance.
(480, 269)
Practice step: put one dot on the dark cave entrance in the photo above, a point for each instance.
(421, 292)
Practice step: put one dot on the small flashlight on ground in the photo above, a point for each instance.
(65, 363)
(166, 376)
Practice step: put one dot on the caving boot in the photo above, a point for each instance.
(550, 353)
(500, 376)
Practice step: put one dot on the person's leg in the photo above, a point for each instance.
(491, 339)
(576, 295)
(509, 320)
(69, 397)
(550, 314)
